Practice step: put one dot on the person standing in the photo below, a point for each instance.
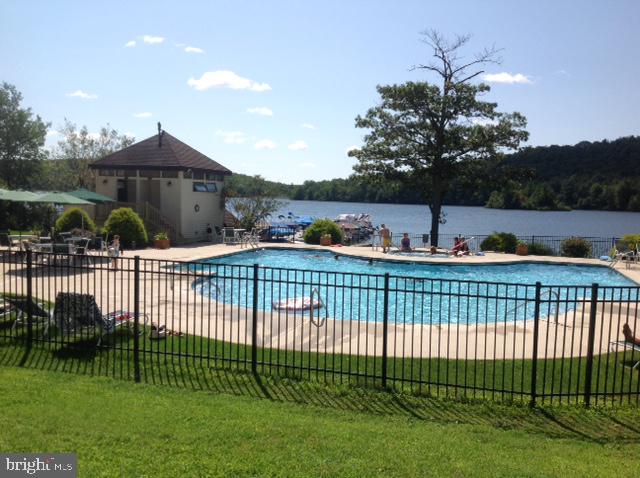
(385, 234)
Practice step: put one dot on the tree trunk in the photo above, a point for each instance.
(436, 208)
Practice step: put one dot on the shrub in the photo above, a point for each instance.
(320, 227)
(537, 249)
(575, 247)
(74, 218)
(500, 242)
(125, 223)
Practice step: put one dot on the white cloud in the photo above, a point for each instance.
(52, 132)
(83, 95)
(144, 114)
(232, 137)
(505, 77)
(228, 79)
(151, 40)
(298, 146)
(130, 44)
(193, 49)
(350, 148)
(562, 73)
(93, 135)
(260, 110)
(307, 165)
(265, 144)
(308, 126)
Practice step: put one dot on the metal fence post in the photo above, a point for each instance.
(136, 318)
(590, 344)
(254, 323)
(29, 298)
(385, 330)
(534, 358)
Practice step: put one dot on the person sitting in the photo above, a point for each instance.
(464, 249)
(457, 246)
(405, 243)
(628, 335)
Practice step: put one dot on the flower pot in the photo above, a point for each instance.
(161, 243)
(325, 240)
(522, 250)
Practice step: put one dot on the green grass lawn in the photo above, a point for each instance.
(275, 428)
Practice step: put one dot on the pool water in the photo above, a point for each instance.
(352, 288)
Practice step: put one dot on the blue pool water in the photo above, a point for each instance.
(353, 288)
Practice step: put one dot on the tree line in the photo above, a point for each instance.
(601, 175)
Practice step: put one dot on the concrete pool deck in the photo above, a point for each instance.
(171, 301)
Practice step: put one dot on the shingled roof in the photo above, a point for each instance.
(169, 154)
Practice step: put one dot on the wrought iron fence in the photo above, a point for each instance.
(509, 342)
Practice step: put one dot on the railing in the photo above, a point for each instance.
(600, 246)
(154, 220)
(419, 335)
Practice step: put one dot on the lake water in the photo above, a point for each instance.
(414, 218)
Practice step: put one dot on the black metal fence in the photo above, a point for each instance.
(508, 342)
(600, 246)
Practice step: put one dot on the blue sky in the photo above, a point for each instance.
(273, 87)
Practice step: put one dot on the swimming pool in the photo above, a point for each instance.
(353, 288)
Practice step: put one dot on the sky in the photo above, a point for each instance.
(273, 87)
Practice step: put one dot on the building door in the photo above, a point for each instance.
(122, 191)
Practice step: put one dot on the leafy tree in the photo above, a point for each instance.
(255, 205)
(429, 135)
(22, 138)
(69, 168)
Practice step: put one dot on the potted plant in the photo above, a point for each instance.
(325, 240)
(522, 249)
(161, 241)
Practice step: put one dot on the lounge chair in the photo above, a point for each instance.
(40, 314)
(75, 313)
(629, 346)
(251, 239)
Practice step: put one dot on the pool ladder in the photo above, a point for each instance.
(556, 312)
(321, 321)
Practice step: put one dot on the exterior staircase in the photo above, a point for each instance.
(154, 220)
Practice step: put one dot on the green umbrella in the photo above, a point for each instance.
(17, 196)
(87, 195)
(55, 197)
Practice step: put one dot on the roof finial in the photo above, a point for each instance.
(159, 135)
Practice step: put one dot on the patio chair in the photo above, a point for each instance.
(229, 236)
(630, 346)
(40, 314)
(251, 238)
(74, 313)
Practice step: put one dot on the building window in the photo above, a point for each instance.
(214, 177)
(188, 174)
(150, 173)
(204, 187)
(169, 174)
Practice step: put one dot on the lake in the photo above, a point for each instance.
(414, 218)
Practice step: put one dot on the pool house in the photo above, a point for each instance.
(175, 188)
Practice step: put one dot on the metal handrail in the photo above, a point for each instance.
(549, 292)
(321, 322)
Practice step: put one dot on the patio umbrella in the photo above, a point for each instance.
(59, 198)
(17, 196)
(87, 195)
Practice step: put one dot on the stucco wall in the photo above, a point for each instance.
(194, 224)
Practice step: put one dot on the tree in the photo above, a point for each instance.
(69, 168)
(429, 135)
(22, 138)
(255, 205)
